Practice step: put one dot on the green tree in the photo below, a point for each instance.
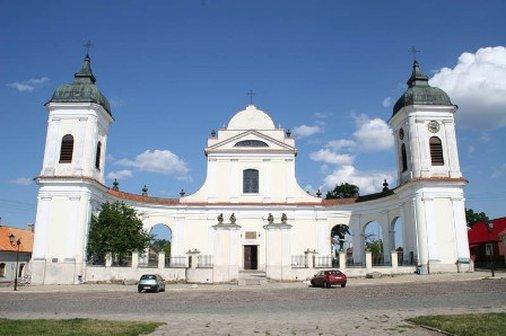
(475, 217)
(343, 190)
(118, 230)
(158, 245)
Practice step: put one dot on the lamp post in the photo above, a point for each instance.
(490, 227)
(17, 242)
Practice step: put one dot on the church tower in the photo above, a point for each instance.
(430, 181)
(71, 178)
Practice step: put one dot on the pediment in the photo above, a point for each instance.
(250, 141)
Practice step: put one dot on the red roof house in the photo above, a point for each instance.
(483, 233)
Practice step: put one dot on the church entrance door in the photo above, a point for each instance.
(250, 257)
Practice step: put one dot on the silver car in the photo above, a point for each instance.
(151, 282)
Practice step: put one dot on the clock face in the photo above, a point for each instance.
(401, 134)
(433, 126)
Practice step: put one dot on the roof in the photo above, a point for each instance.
(82, 90)
(419, 92)
(480, 234)
(25, 235)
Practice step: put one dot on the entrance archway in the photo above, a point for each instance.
(161, 241)
(373, 241)
(397, 239)
(341, 240)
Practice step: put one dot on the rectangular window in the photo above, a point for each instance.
(250, 181)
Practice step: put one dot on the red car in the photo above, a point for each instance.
(328, 278)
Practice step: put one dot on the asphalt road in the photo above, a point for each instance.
(275, 309)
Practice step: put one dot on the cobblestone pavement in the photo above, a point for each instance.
(356, 310)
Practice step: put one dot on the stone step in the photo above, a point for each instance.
(251, 277)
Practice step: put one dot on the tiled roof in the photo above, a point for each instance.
(25, 235)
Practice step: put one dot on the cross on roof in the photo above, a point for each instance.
(250, 93)
(88, 45)
(414, 52)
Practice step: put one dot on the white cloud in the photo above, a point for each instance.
(341, 144)
(330, 157)
(304, 131)
(158, 161)
(119, 174)
(22, 181)
(28, 85)
(367, 181)
(499, 171)
(387, 102)
(477, 84)
(373, 134)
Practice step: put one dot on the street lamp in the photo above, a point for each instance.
(17, 242)
(490, 248)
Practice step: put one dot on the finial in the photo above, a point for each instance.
(115, 185)
(319, 193)
(88, 45)
(250, 93)
(288, 133)
(182, 192)
(232, 218)
(145, 191)
(284, 218)
(270, 218)
(385, 186)
(220, 218)
(414, 52)
(213, 134)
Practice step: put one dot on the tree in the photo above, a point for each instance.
(118, 230)
(344, 190)
(475, 217)
(158, 245)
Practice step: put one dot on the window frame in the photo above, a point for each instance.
(436, 151)
(253, 187)
(67, 144)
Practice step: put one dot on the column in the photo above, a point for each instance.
(421, 235)
(161, 260)
(395, 261)
(226, 246)
(342, 260)
(135, 259)
(278, 263)
(368, 261)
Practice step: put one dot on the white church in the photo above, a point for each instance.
(250, 213)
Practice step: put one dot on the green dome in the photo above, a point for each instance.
(419, 92)
(82, 90)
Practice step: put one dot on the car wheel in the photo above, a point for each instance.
(326, 285)
(157, 289)
(139, 290)
(343, 285)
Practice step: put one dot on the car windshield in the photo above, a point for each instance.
(148, 277)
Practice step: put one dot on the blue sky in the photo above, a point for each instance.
(175, 70)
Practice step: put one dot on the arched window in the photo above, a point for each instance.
(250, 181)
(2, 270)
(436, 151)
(67, 148)
(404, 158)
(97, 155)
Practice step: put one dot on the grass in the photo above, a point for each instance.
(74, 327)
(490, 324)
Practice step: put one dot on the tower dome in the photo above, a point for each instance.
(419, 92)
(251, 118)
(82, 90)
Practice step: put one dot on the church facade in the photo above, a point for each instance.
(250, 213)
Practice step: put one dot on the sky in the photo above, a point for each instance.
(330, 71)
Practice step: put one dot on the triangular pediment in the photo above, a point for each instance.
(258, 142)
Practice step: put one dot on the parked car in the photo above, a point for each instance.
(328, 278)
(151, 282)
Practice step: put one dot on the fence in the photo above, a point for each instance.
(323, 261)
(299, 261)
(175, 261)
(121, 261)
(205, 260)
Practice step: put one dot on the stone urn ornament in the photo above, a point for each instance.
(232, 218)
(284, 218)
(270, 218)
(220, 218)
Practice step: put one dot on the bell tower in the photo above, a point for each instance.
(430, 181)
(424, 129)
(71, 182)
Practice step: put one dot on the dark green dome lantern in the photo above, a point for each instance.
(82, 90)
(419, 92)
